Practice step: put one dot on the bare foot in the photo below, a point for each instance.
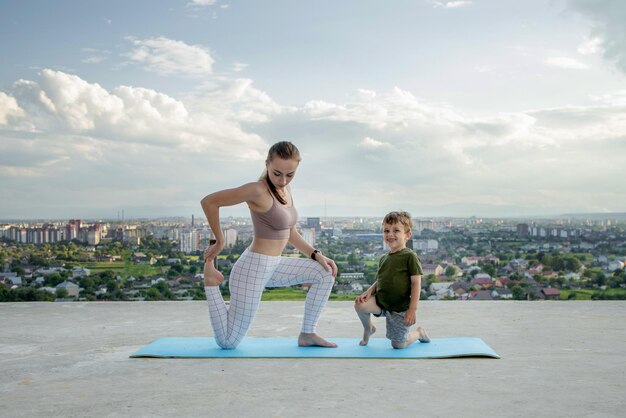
(423, 337)
(367, 334)
(312, 339)
(212, 277)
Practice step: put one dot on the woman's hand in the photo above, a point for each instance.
(213, 251)
(328, 264)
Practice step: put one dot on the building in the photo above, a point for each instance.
(189, 240)
(522, 230)
(72, 289)
(230, 237)
(425, 245)
(421, 224)
(352, 276)
(314, 223)
(309, 235)
(434, 269)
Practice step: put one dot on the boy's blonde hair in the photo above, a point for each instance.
(399, 217)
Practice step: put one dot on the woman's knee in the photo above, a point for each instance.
(228, 346)
(326, 276)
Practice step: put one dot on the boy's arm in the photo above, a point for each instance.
(416, 290)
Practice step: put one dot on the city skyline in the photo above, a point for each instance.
(442, 108)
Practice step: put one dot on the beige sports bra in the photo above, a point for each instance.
(276, 222)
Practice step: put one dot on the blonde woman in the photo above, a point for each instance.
(273, 217)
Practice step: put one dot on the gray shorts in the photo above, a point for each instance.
(397, 330)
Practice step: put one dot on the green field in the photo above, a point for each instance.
(290, 293)
(126, 269)
(585, 294)
(580, 294)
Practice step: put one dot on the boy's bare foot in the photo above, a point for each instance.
(312, 339)
(367, 334)
(423, 337)
(212, 277)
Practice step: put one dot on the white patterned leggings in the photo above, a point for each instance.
(253, 272)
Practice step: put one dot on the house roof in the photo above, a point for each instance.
(482, 281)
(481, 295)
(67, 285)
(551, 291)
(430, 266)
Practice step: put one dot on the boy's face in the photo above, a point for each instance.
(395, 236)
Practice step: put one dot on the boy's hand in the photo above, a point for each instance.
(363, 297)
(409, 317)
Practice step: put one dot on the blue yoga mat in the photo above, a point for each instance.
(250, 347)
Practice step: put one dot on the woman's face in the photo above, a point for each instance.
(281, 172)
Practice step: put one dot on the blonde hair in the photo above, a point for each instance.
(284, 150)
(399, 217)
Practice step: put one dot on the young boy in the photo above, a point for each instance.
(396, 292)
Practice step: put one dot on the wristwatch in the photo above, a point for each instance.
(313, 253)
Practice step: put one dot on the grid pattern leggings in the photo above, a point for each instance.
(250, 275)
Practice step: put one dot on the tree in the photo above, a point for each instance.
(153, 294)
(599, 279)
(518, 293)
(450, 270)
(489, 268)
(573, 264)
(53, 279)
(61, 293)
(178, 268)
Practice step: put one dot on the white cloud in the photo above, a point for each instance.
(9, 108)
(127, 144)
(202, 3)
(452, 4)
(373, 144)
(607, 17)
(590, 45)
(617, 98)
(245, 103)
(170, 57)
(65, 104)
(239, 66)
(515, 162)
(94, 56)
(565, 63)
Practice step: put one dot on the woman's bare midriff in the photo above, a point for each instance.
(271, 247)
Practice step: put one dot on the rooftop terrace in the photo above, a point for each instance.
(71, 359)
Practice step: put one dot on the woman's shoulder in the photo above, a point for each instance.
(255, 190)
(254, 187)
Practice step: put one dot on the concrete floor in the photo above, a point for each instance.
(559, 359)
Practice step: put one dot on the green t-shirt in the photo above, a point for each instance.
(393, 288)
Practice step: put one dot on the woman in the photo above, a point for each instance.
(273, 217)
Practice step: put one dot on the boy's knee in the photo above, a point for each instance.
(358, 306)
(398, 345)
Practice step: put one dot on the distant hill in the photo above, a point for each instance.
(620, 216)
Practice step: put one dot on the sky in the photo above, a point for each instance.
(488, 108)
